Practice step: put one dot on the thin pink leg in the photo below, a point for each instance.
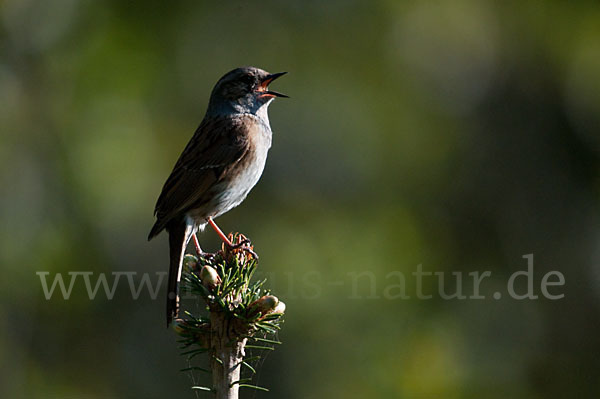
(197, 245)
(219, 232)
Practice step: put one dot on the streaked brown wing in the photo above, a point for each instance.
(218, 143)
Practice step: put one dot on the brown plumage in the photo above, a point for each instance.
(219, 166)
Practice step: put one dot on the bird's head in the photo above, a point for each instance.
(245, 90)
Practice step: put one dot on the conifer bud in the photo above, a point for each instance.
(264, 304)
(210, 278)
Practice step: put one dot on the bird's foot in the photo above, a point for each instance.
(207, 255)
(245, 248)
(243, 244)
(243, 241)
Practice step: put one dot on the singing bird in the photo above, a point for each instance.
(219, 166)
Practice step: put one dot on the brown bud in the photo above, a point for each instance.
(209, 276)
(264, 304)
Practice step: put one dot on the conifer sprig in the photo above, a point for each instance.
(237, 310)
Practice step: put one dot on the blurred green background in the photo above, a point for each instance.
(459, 135)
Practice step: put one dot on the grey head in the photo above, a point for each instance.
(243, 90)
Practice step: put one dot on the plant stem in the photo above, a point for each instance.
(228, 354)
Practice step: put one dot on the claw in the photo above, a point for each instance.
(250, 251)
(241, 246)
(241, 243)
(207, 255)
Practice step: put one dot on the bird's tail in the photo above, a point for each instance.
(157, 228)
(179, 235)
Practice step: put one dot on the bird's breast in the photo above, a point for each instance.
(234, 188)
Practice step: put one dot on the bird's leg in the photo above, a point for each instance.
(228, 242)
(199, 250)
(221, 235)
(197, 245)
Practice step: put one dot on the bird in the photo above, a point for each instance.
(221, 163)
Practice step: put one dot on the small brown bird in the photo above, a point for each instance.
(218, 167)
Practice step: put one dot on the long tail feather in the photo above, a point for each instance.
(179, 236)
(157, 228)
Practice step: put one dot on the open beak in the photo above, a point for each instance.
(265, 83)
